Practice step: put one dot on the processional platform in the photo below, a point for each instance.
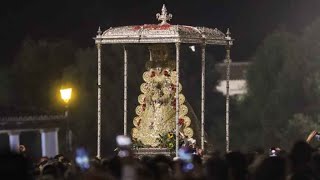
(161, 110)
(141, 152)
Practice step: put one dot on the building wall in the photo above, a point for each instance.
(236, 87)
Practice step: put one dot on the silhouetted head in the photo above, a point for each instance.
(300, 153)
(301, 176)
(216, 168)
(271, 168)
(15, 166)
(237, 165)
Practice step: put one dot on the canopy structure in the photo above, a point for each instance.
(163, 33)
(158, 33)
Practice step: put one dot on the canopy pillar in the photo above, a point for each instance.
(99, 96)
(228, 62)
(125, 90)
(177, 96)
(203, 87)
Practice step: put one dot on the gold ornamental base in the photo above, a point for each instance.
(151, 152)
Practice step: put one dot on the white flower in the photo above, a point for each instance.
(191, 141)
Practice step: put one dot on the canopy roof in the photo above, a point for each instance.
(162, 33)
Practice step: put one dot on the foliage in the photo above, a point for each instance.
(37, 71)
(167, 140)
(5, 93)
(298, 128)
(275, 85)
(282, 92)
(81, 76)
(310, 42)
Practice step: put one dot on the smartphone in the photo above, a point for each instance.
(124, 144)
(317, 136)
(82, 159)
(273, 152)
(185, 154)
(123, 141)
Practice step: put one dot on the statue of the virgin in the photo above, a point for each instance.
(156, 112)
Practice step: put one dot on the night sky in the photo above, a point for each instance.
(249, 20)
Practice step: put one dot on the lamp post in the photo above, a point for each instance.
(66, 96)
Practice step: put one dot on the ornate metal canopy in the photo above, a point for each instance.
(161, 33)
(164, 33)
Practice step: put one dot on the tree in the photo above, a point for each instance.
(37, 70)
(275, 88)
(310, 42)
(298, 128)
(5, 87)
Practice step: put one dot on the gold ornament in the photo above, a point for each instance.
(146, 76)
(166, 90)
(173, 77)
(181, 99)
(156, 112)
(136, 121)
(139, 110)
(141, 98)
(187, 121)
(180, 88)
(144, 88)
(134, 133)
(188, 132)
(183, 111)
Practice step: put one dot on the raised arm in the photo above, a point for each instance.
(311, 135)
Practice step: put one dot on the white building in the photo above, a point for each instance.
(237, 83)
(13, 122)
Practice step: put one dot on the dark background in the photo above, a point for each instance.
(34, 77)
(249, 20)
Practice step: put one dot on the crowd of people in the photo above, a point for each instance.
(301, 162)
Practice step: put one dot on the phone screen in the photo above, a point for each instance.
(317, 136)
(124, 144)
(274, 151)
(186, 156)
(82, 159)
(123, 141)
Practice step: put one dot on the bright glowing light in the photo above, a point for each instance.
(66, 94)
(193, 48)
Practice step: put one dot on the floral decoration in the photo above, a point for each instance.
(168, 140)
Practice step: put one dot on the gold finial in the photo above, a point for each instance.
(164, 16)
(228, 37)
(99, 31)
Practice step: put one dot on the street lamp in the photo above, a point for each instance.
(66, 96)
